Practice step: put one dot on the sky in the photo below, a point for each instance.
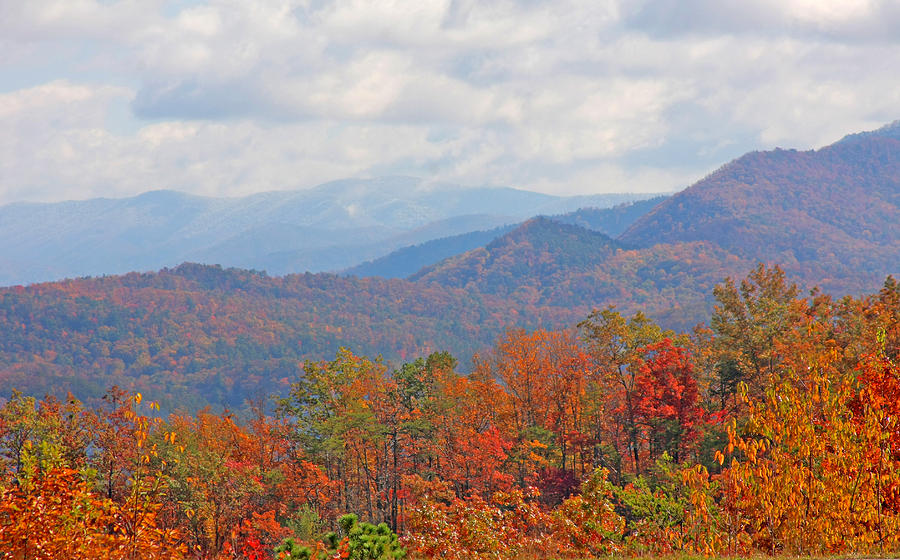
(227, 97)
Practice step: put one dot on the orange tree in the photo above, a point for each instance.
(812, 470)
(50, 510)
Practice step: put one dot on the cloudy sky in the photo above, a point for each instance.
(226, 97)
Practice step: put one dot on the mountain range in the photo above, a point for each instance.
(203, 334)
(330, 227)
(409, 260)
(829, 217)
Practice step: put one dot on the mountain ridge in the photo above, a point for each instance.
(409, 260)
(818, 213)
(296, 229)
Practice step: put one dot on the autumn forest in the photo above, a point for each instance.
(449, 280)
(771, 430)
(682, 388)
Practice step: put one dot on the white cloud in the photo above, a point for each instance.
(232, 96)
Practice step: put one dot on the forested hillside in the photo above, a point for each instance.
(829, 216)
(771, 432)
(546, 263)
(199, 335)
(410, 260)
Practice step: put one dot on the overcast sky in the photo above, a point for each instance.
(226, 97)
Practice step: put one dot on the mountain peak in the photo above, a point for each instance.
(533, 258)
(543, 232)
(890, 130)
(831, 209)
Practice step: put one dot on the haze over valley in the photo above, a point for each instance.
(334, 226)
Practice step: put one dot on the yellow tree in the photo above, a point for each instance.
(812, 472)
(50, 511)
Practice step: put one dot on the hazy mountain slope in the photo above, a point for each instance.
(456, 225)
(40, 241)
(531, 256)
(341, 255)
(610, 221)
(328, 227)
(830, 216)
(409, 260)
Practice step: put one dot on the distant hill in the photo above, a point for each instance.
(534, 256)
(409, 260)
(330, 227)
(829, 216)
(544, 263)
(610, 221)
(197, 334)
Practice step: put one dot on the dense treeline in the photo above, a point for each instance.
(545, 265)
(829, 216)
(772, 430)
(198, 335)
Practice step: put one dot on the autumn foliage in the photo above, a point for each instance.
(774, 430)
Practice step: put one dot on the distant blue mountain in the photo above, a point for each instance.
(330, 227)
(610, 221)
(409, 260)
(405, 262)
